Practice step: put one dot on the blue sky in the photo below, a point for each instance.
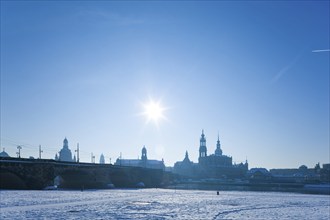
(84, 70)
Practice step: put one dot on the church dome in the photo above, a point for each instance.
(4, 154)
(65, 153)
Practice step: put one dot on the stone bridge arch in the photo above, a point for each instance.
(9, 179)
(79, 176)
(26, 173)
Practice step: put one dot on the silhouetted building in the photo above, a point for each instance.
(326, 166)
(65, 153)
(102, 161)
(215, 165)
(325, 173)
(4, 153)
(301, 175)
(259, 175)
(186, 167)
(144, 162)
(216, 159)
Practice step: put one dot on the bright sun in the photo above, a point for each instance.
(154, 111)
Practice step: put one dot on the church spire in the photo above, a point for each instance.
(186, 156)
(218, 151)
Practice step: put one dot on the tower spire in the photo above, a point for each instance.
(218, 151)
(202, 146)
(186, 158)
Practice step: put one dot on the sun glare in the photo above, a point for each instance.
(154, 111)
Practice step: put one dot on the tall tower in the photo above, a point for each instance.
(202, 146)
(144, 153)
(218, 151)
(144, 156)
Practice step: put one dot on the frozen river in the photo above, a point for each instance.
(161, 204)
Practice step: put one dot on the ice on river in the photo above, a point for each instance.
(161, 204)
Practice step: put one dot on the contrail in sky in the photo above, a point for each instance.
(318, 51)
(286, 68)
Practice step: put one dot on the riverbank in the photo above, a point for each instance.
(323, 189)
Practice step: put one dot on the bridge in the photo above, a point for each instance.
(21, 173)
